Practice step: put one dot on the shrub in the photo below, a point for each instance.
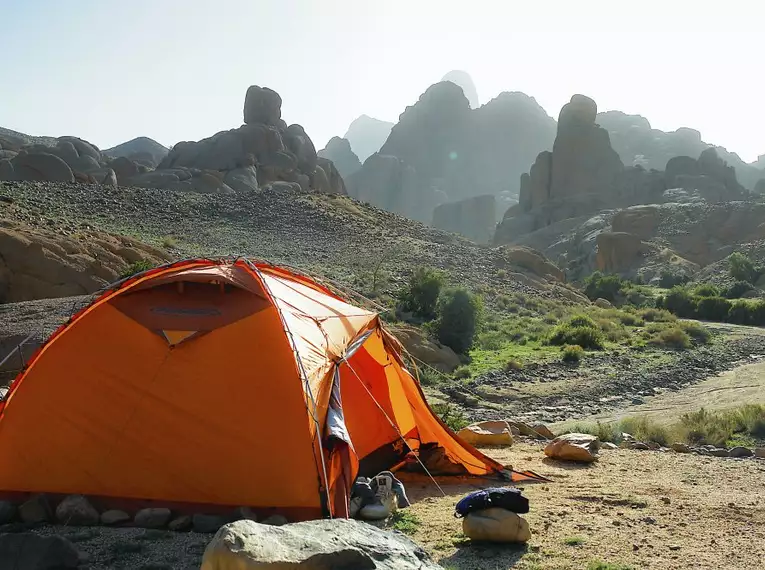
(604, 432)
(646, 429)
(420, 296)
(740, 312)
(459, 314)
(706, 290)
(600, 286)
(696, 331)
(580, 330)
(572, 353)
(668, 279)
(491, 340)
(136, 267)
(673, 337)
(741, 268)
(462, 373)
(451, 416)
(703, 427)
(405, 521)
(680, 302)
(428, 376)
(738, 290)
(657, 316)
(713, 308)
(513, 364)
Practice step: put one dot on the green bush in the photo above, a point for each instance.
(740, 312)
(428, 376)
(696, 331)
(513, 364)
(462, 373)
(421, 294)
(706, 290)
(491, 340)
(713, 308)
(657, 316)
(459, 315)
(738, 290)
(741, 268)
(680, 302)
(668, 279)
(673, 337)
(600, 286)
(581, 330)
(136, 267)
(572, 353)
(451, 416)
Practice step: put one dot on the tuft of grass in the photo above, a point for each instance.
(462, 373)
(599, 565)
(579, 329)
(657, 315)
(136, 267)
(572, 353)
(513, 364)
(452, 416)
(169, 242)
(573, 541)
(405, 521)
(674, 337)
(696, 331)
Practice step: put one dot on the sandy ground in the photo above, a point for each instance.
(640, 509)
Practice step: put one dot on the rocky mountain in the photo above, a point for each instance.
(442, 151)
(141, 149)
(340, 153)
(263, 151)
(639, 144)
(463, 79)
(13, 140)
(586, 210)
(366, 135)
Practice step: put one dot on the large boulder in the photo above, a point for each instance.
(262, 105)
(312, 545)
(299, 143)
(83, 147)
(242, 180)
(36, 264)
(340, 153)
(123, 168)
(426, 350)
(474, 218)
(578, 447)
(530, 260)
(641, 221)
(76, 510)
(334, 181)
(42, 167)
(487, 433)
(496, 525)
(619, 251)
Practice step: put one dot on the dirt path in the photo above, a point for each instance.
(742, 385)
(632, 509)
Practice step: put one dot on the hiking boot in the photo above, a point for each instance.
(384, 502)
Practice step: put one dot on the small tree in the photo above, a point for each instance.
(713, 308)
(459, 314)
(420, 296)
(680, 302)
(741, 268)
(600, 286)
(136, 267)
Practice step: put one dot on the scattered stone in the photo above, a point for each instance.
(544, 431)
(674, 547)
(639, 445)
(608, 445)
(741, 452)
(680, 447)
(579, 447)
(8, 512)
(649, 520)
(759, 452)
(275, 520)
(603, 303)
(26, 550)
(207, 523)
(76, 510)
(152, 518)
(719, 452)
(313, 545)
(244, 513)
(181, 523)
(36, 510)
(114, 517)
(487, 433)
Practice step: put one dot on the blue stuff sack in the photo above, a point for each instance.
(508, 498)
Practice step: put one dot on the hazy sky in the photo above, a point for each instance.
(175, 70)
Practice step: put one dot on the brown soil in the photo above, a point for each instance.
(639, 509)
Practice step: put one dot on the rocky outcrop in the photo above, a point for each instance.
(530, 260)
(463, 79)
(340, 153)
(313, 545)
(263, 151)
(36, 264)
(473, 217)
(389, 183)
(619, 251)
(367, 135)
(426, 350)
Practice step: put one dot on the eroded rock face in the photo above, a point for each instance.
(38, 265)
(473, 217)
(313, 545)
(618, 251)
(340, 153)
(262, 106)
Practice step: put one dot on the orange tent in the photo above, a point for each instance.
(216, 384)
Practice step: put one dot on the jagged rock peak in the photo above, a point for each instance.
(463, 79)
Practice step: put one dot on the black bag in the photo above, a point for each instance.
(508, 498)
